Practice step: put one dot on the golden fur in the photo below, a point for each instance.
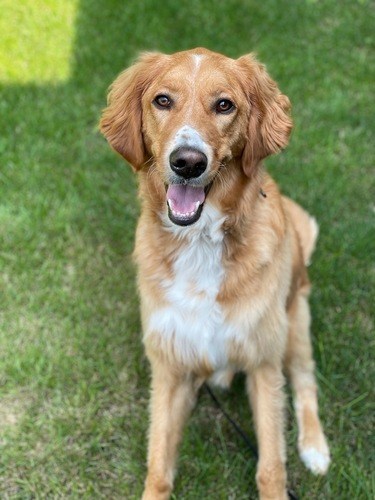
(261, 241)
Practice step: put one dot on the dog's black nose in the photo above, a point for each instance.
(188, 162)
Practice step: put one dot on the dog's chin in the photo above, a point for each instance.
(190, 215)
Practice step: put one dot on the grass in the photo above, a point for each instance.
(73, 376)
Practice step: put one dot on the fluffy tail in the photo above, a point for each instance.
(306, 226)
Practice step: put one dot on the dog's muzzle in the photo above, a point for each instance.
(185, 195)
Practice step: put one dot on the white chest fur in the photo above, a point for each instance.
(193, 321)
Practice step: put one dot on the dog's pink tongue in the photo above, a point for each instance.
(183, 199)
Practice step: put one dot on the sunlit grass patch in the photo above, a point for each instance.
(36, 40)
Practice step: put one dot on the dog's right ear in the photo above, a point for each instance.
(121, 121)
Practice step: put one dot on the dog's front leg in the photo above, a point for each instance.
(172, 399)
(265, 386)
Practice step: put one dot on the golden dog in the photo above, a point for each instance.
(221, 254)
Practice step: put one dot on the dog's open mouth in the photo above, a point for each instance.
(185, 203)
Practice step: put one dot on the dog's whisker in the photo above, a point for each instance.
(151, 159)
(222, 179)
(152, 172)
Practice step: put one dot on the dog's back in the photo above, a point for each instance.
(306, 226)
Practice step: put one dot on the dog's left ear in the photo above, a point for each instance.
(121, 121)
(269, 124)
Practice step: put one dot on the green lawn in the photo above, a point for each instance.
(73, 376)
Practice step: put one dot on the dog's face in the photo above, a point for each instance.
(194, 120)
(191, 113)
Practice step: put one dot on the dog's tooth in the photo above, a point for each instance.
(184, 215)
(169, 201)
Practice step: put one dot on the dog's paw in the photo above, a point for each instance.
(316, 461)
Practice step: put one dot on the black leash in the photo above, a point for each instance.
(240, 432)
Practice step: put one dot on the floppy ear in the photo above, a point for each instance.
(121, 121)
(269, 124)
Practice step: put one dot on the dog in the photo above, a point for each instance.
(221, 254)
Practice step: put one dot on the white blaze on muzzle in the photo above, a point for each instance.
(187, 136)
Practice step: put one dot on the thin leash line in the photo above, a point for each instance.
(234, 424)
(241, 433)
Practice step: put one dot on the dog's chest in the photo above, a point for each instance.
(194, 321)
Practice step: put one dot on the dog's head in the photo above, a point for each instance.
(189, 114)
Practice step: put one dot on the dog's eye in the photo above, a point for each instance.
(162, 101)
(224, 106)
